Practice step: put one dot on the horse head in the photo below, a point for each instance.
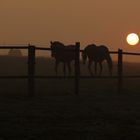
(56, 46)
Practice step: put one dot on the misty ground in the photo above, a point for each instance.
(99, 112)
(83, 117)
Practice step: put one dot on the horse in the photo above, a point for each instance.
(64, 54)
(97, 54)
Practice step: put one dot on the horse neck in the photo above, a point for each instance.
(84, 57)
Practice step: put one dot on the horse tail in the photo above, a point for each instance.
(110, 64)
(84, 56)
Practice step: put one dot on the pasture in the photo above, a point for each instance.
(56, 113)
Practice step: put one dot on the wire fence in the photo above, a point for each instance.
(31, 68)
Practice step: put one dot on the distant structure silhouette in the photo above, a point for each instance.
(14, 52)
(97, 54)
(64, 54)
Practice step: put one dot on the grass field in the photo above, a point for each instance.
(55, 113)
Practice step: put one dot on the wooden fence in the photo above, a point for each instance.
(31, 68)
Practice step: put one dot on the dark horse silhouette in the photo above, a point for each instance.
(97, 54)
(64, 54)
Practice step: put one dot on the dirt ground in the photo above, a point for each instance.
(100, 116)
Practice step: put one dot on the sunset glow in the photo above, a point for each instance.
(132, 39)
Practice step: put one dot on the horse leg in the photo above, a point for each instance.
(69, 68)
(56, 66)
(110, 71)
(101, 68)
(95, 67)
(89, 67)
(109, 67)
(64, 68)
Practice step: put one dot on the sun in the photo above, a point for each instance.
(132, 39)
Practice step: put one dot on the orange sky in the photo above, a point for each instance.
(88, 21)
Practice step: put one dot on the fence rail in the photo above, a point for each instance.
(31, 68)
(14, 47)
(68, 77)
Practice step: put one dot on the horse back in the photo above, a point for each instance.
(97, 53)
(102, 52)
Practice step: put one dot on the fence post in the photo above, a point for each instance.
(31, 70)
(120, 69)
(77, 67)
